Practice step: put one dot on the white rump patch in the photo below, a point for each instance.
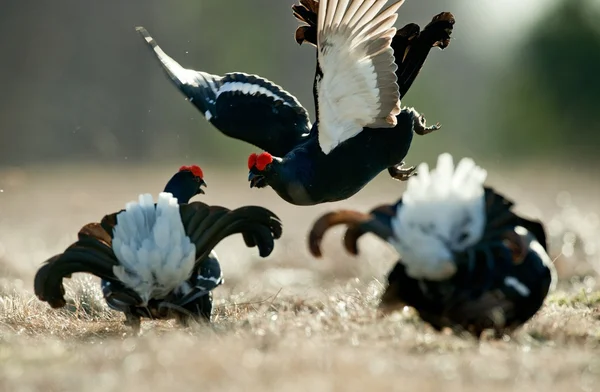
(442, 211)
(249, 89)
(150, 243)
(516, 284)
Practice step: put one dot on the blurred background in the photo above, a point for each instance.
(519, 81)
(87, 116)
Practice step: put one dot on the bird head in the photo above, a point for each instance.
(260, 166)
(186, 183)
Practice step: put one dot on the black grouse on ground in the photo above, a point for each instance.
(467, 261)
(364, 67)
(155, 259)
(183, 185)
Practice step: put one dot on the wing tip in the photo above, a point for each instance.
(144, 33)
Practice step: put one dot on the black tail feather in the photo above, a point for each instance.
(207, 226)
(86, 255)
(383, 215)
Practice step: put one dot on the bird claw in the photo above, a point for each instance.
(134, 322)
(401, 173)
(420, 125)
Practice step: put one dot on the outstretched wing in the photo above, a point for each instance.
(412, 46)
(359, 86)
(242, 106)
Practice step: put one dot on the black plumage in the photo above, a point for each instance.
(204, 225)
(183, 185)
(300, 168)
(500, 283)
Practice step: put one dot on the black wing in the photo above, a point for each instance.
(412, 45)
(242, 106)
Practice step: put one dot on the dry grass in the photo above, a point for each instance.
(284, 323)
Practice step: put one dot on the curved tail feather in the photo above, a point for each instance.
(207, 226)
(358, 224)
(91, 253)
(383, 215)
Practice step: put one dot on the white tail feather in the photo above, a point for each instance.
(150, 243)
(442, 211)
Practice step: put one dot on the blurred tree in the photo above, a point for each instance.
(549, 95)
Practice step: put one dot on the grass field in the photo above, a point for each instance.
(288, 322)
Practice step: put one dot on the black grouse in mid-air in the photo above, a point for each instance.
(156, 260)
(364, 67)
(468, 262)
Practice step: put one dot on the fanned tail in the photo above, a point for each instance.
(380, 218)
(207, 226)
(92, 254)
(358, 224)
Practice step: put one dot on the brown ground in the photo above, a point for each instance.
(288, 322)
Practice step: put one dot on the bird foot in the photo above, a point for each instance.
(134, 322)
(401, 173)
(420, 124)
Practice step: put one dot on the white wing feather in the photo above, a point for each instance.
(359, 86)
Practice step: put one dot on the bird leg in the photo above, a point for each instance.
(401, 173)
(420, 124)
(134, 322)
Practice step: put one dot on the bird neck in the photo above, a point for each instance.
(181, 189)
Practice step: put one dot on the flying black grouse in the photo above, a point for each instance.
(156, 260)
(467, 261)
(363, 69)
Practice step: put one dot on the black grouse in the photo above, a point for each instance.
(183, 185)
(468, 262)
(364, 66)
(155, 258)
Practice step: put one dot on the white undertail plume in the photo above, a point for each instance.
(442, 211)
(155, 254)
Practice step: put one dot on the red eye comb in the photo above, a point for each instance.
(263, 160)
(195, 169)
(260, 161)
(252, 161)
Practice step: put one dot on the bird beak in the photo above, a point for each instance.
(202, 183)
(254, 179)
